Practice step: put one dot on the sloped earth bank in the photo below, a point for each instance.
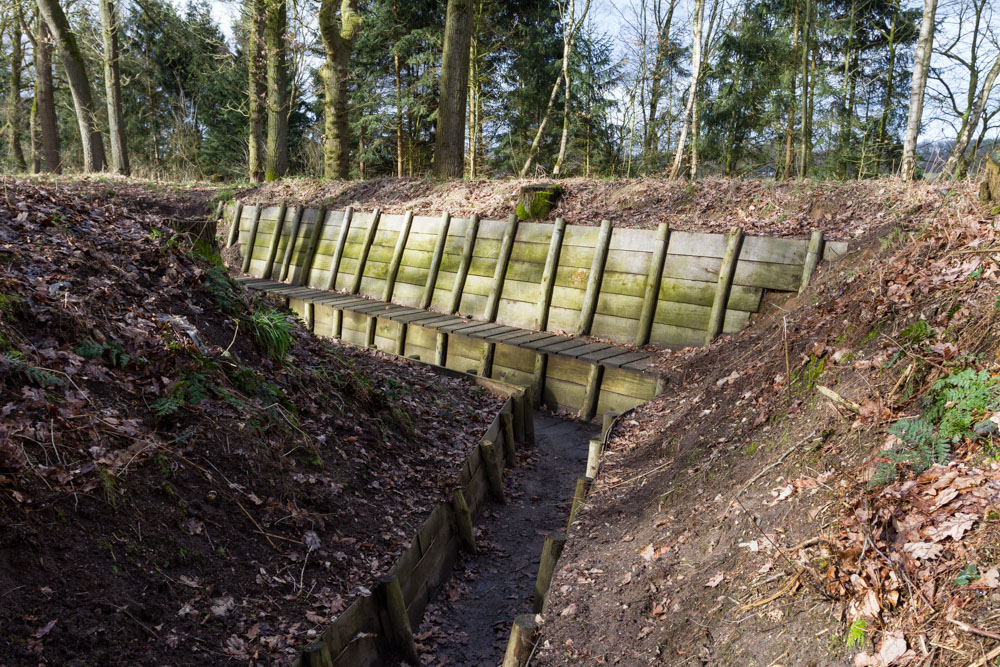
(765, 208)
(176, 488)
(745, 517)
(469, 622)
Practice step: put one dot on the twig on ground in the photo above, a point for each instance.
(971, 628)
(259, 528)
(772, 466)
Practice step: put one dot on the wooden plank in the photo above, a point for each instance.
(652, 288)
(774, 250)
(521, 314)
(338, 254)
(618, 329)
(561, 345)
(272, 251)
(500, 272)
(397, 256)
(726, 272)
(251, 239)
(599, 355)
(318, 220)
(590, 348)
(633, 240)
(293, 244)
(624, 358)
(629, 383)
(782, 277)
(549, 274)
(463, 268)
(594, 281)
(834, 250)
(535, 340)
(366, 247)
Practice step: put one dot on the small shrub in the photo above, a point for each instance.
(272, 331)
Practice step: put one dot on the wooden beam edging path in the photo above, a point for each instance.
(594, 280)
(248, 246)
(549, 275)
(523, 635)
(338, 252)
(652, 293)
(813, 255)
(272, 250)
(381, 623)
(726, 272)
(366, 247)
(463, 267)
(234, 227)
(293, 237)
(397, 256)
(309, 252)
(432, 271)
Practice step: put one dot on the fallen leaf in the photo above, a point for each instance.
(922, 550)
(716, 580)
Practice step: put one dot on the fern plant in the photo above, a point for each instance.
(27, 372)
(272, 331)
(116, 355)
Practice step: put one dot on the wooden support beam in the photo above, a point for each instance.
(463, 267)
(813, 255)
(309, 252)
(733, 242)
(293, 237)
(370, 323)
(317, 654)
(653, 278)
(486, 360)
(219, 210)
(509, 449)
(549, 276)
(440, 348)
(520, 409)
(551, 550)
(593, 393)
(397, 256)
(234, 226)
(338, 252)
(500, 272)
(310, 316)
(248, 246)
(594, 280)
(432, 272)
(529, 415)
(494, 474)
(401, 339)
(463, 521)
(365, 249)
(337, 325)
(272, 250)
(523, 634)
(395, 621)
(538, 382)
(579, 495)
(594, 457)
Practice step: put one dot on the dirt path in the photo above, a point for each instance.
(470, 621)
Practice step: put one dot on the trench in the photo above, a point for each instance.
(468, 621)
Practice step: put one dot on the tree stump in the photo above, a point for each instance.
(535, 200)
(989, 190)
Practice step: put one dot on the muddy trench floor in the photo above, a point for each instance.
(468, 623)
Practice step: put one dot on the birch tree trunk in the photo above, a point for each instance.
(541, 127)
(921, 67)
(338, 38)
(113, 88)
(651, 138)
(689, 110)
(449, 143)
(804, 139)
(275, 27)
(79, 84)
(256, 67)
(568, 41)
(971, 122)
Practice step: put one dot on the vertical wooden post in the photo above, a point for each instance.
(594, 281)
(317, 654)
(486, 360)
(494, 475)
(432, 273)
(661, 385)
(529, 415)
(309, 252)
(338, 251)
(272, 251)
(397, 256)
(219, 210)
(509, 449)
(551, 550)
(594, 457)
(463, 267)
(593, 393)
(401, 340)
(500, 272)
(579, 495)
(365, 249)
(248, 246)
(520, 408)
(440, 348)
(463, 521)
(726, 271)
(813, 255)
(337, 324)
(549, 275)
(293, 238)
(396, 622)
(520, 646)
(310, 316)
(234, 227)
(538, 383)
(370, 323)
(607, 422)
(653, 278)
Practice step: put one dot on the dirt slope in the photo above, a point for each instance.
(745, 518)
(767, 208)
(177, 487)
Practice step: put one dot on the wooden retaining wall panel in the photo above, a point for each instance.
(565, 382)
(686, 267)
(641, 386)
(774, 250)
(246, 221)
(380, 254)
(298, 307)
(669, 335)
(387, 333)
(299, 259)
(702, 293)
(696, 317)
(360, 617)
(450, 260)
(420, 341)
(697, 244)
(833, 250)
(326, 245)
(618, 329)
(464, 353)
(517, 313)
(612, 402)
(323, 317)
(513, 365)
(354, 328)
(356, 237)
(783, 277)
(364, 651)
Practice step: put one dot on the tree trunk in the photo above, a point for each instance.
(275, 27)
(256, 67)
(651, 138)
(883, 122)
(113, 88)
(14, 94)
(921, 67)
(790, 127)
(79, 84)
(568, 41)
(689, 110)
(541, 126)
(399, 117)
(804, 138)
(449, 146)
(338, 38)
(951, 166)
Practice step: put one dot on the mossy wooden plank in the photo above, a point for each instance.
(698, 244)
(353, 250)
(629, 383)
(774, 250)
(701, 293)
(426, 224)
(461, 363)
(403, 569)
(412, 276)
(345, 276)
(441, 298)
(360, 616)
(476, 284)
(372, 287)
(472, 305)
(450, 263)
(683, 267)
(784, 277)
(425, 353)
(563, 319)
(530, 252)
(519, 314)
(575, 256)
(297, 306)
(441, 572)
(256, 267)
(379, 253)
(611, 402)
(619, 305)
(563, 394)
(483, 267)
(261, 251)
(633, 240)
(418, 260)
(391, 222)
(491, 229)
(623, 284)
(464, 346)
(488, 248)
(526, 272)
(407, 293)
(421, 242)
(431, 529)
(534, 232)
(267, 224)
(574, 278)
(323, 318)
(568, 370)
(618, 329)
(519, 290)
(629, 261)
(421, 336)
(516, 358)
(673, 336)
(511, 375)
(569, 298)
(581, 236)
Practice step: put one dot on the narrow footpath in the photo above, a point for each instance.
(469, 622)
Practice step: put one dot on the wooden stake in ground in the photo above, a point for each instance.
(396, 621)
(522, 641)
(551, 550)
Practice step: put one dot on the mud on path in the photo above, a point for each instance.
(469, 622)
